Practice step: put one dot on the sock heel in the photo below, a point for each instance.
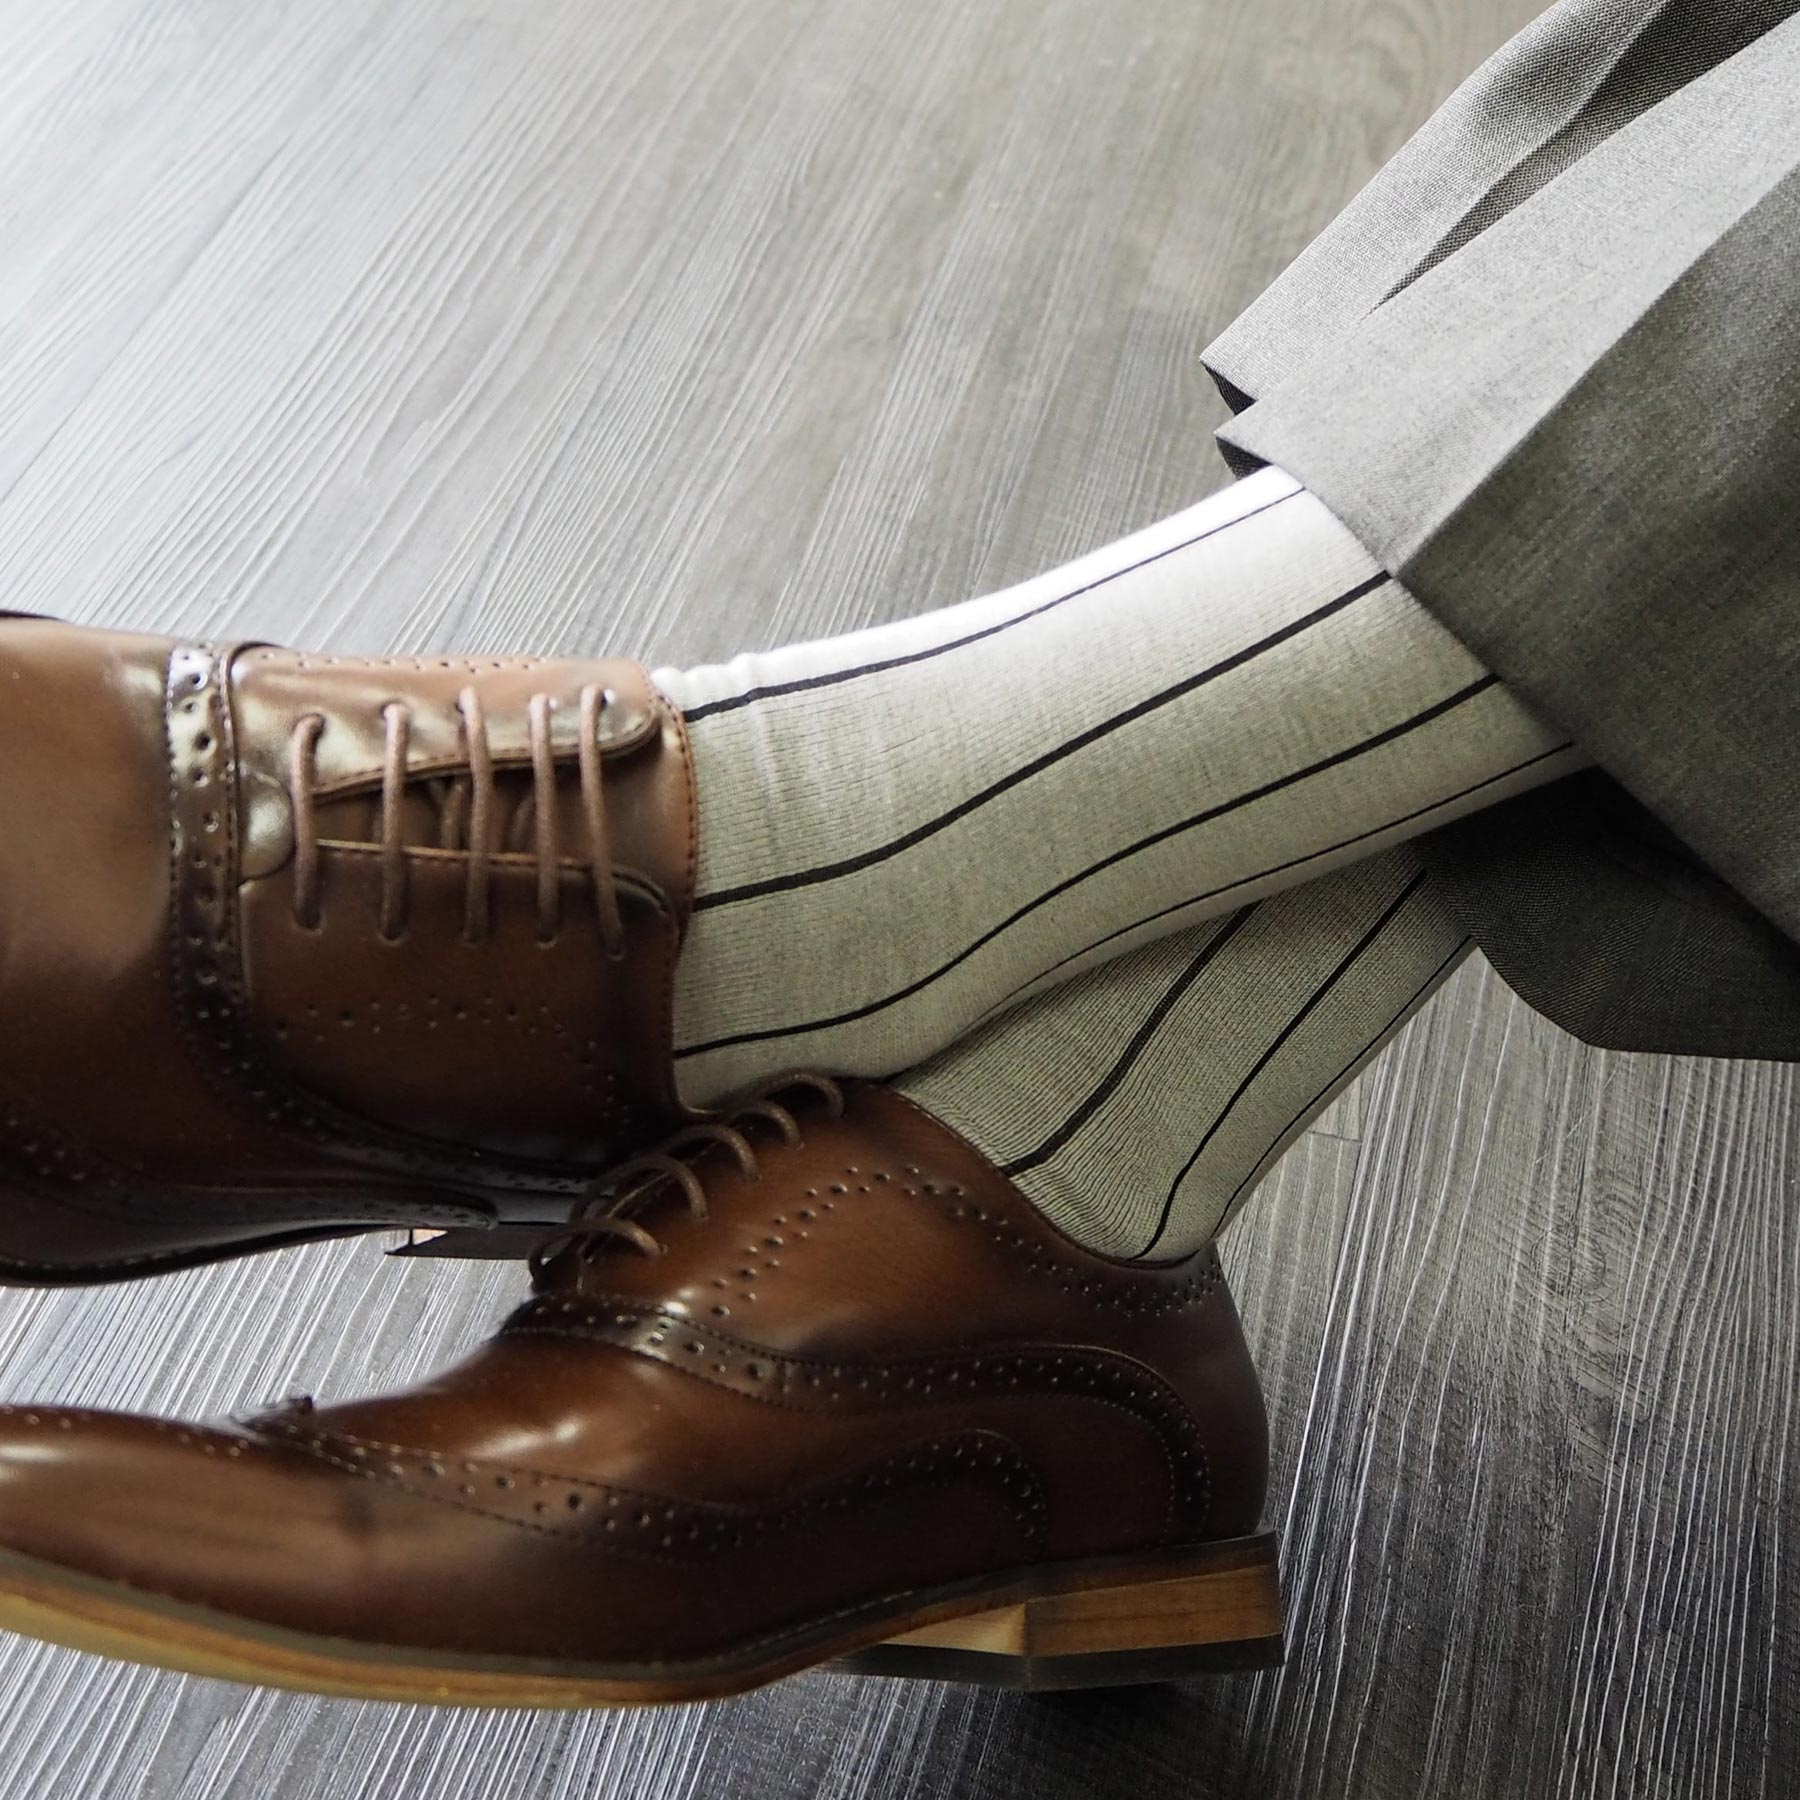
(1219, 1612)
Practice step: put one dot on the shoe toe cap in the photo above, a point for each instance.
(271, 1525)
(206, 1515)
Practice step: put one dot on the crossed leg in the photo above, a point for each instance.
(906, 830)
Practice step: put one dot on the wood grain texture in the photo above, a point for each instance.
(687, 328)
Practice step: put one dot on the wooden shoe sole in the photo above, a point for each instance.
(1098, 1623)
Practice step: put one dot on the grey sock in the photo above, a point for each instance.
(904, 829)
(1140, 1104)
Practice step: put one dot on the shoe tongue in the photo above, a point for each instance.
(581, 1247)
(437, 813)
(274, 691)
(737, 1233)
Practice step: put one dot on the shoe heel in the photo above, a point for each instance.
(1216, 1612)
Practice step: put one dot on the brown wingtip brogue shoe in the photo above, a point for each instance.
(292, 946)
(819, 1387)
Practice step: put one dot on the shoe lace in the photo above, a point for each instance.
(466, 813)
(605, 1214)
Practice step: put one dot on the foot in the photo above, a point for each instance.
(818, 1385)
(292, 946)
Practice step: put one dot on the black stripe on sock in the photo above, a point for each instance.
(850, 1017)
(867, 859)
(1286, 1032)
(1293, 862)
(732, 702)
(1115, 1076)
(1343, 1074)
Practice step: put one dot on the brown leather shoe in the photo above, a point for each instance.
(292, 945)
(821, 1387)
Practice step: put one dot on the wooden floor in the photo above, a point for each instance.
(692, 326)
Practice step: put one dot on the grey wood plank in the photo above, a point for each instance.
(692, 328)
